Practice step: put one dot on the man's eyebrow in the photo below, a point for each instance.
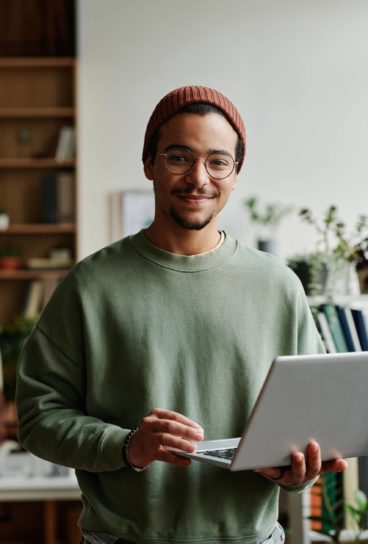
(186, 148)
(178, 146)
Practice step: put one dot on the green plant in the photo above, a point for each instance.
(269, 215)
(12, 338)
(334, 241)
(359, 512)
(332, 518)
(311, 269)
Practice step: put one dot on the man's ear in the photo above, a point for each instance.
(148, 168)
(235, 182)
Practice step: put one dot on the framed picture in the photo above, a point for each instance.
(130, 211)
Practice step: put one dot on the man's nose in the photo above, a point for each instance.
(198, 174)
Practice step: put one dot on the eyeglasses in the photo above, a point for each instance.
(218, 165)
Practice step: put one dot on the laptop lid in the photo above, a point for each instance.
(304, 398)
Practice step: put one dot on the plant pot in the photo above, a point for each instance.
(10, 263)
(268, 245)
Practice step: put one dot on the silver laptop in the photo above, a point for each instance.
(304, 397)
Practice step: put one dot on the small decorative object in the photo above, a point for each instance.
(10, 257)
(337, 251)
(24, 142)
(267, 219)
(4, 220)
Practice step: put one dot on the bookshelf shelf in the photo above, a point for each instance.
(25, 274)
(9, 113)
(35, 164)
(37, 62)
(38, 228)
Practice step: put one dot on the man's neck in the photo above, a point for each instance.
(185, 241)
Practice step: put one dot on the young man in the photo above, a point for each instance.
(161, 338)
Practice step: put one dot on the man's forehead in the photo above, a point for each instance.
(202, 134)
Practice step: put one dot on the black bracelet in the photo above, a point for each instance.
(126, 450)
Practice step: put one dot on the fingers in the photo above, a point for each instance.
(335, 465)
(304, 468)
(175, 416)
(159, 431)
(314, 462)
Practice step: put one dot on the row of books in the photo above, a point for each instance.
(343, 327)
(57, 198)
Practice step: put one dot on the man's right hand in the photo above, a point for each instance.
(159, 431)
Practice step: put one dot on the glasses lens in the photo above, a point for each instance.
(219, 165)
(179, 161)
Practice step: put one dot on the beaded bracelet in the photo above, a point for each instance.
(126, 450)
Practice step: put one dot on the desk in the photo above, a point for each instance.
(47, 489)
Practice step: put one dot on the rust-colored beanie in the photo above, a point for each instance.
(178, 99)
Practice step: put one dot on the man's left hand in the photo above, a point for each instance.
(303, 468)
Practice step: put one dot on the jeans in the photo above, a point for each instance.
(277, 537)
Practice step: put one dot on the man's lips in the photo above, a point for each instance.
(195, 197)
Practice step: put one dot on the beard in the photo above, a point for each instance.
(189, 225)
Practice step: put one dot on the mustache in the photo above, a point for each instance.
(185, 191)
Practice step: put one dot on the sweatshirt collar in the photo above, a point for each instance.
(183, 263)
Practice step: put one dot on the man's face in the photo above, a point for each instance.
(194, 199)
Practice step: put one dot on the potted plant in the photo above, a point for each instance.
(10, 257)
(267, 219)
(336, 255)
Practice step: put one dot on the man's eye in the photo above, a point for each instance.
(219, 162)
(177, 158)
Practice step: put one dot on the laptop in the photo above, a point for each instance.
(304, 397)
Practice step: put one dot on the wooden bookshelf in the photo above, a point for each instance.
(37, 99)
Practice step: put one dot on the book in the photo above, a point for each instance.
(49, 199)
(361, 323)
(57, 198)
(324, 329)
(33, 301)
(65, 148)
(348, 327)
(330, 312)
(65, 198)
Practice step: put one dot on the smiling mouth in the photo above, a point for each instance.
(191, 196)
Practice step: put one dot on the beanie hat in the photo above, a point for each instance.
(178, 99)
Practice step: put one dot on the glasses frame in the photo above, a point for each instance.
(196, 157)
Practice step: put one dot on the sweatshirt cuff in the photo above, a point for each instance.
(111, 455)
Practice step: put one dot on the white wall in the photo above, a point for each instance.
(296, 69)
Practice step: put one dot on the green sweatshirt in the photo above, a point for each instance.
(134, 327)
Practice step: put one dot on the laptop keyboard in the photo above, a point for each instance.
(228, 453)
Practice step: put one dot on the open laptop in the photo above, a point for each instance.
(304, 397)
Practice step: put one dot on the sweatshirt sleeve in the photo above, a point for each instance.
(51, 387)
